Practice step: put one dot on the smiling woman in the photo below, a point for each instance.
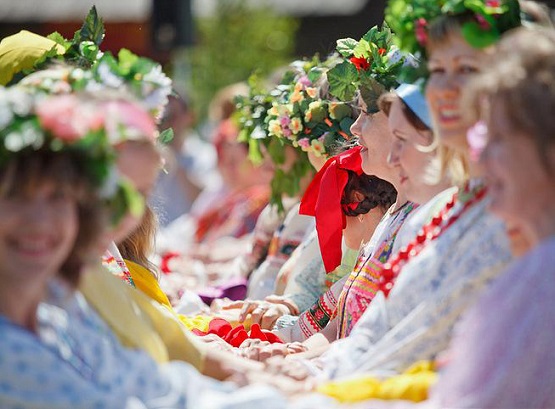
(52, 212)
(43, 201)
(451, 63)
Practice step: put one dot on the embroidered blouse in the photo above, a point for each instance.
(415, 322)
(319, 314)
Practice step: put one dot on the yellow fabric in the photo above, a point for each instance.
(20, 52)
(140, 322)
(411, 385)
(199, 322)
(146, 282)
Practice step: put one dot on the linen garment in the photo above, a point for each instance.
(307, 279)
(76, 362)
(294, 229)
(431, 292)
(317, 317)
(502, 355)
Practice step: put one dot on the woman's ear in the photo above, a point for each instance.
(358, 196)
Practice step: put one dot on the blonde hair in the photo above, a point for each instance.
(448, 163)
(138, 245)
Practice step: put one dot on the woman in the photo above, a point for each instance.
(56, 352)
(516, 95)
(52, 198)
(411, 158)
(501, 354)
(460, 250)
(371, 164)
(407, 120)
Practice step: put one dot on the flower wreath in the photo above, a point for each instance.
(303, 115)
(251, 117)
(410, 19)
(298, 112)
(31, 121)
(371, 66)
(94, 69)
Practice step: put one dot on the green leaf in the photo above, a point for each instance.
(340, 111)
(243, 136)
(59, 39)
(276, 186)
(370, 34)
(477, 37)
(127, 60)
(255, 155)
(315, 74)
(276, 151)
(345, 125)
(342, 79)
(363, 49)
(319, 129)
(370, 91)
(91, 30)
(345, 46)
(135, 201)
(166, 136)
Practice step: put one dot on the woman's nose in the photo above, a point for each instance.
(355, 127)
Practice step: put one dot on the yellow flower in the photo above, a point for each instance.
(273, 111)
(317, 147)
(274, 128)
(285, 110)
(312, 92)
(296, 125)
(296, 96)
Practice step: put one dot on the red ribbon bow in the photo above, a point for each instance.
(322, 200)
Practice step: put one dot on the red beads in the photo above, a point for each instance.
(440, 223)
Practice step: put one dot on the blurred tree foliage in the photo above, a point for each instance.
(237, 40)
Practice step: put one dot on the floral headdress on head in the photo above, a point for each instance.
(410, 19)
(298, 112)
(31, 121)
(92, 69)
(371, 67)
(304, 115)
(251, 117)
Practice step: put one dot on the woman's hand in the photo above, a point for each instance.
(264, 313)
(290, 367)
(261, 351)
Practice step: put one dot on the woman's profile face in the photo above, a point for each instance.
(374, 136)
(451, 64)
(38, 230)
(410, 162)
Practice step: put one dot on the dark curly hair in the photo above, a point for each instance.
(377, 193)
